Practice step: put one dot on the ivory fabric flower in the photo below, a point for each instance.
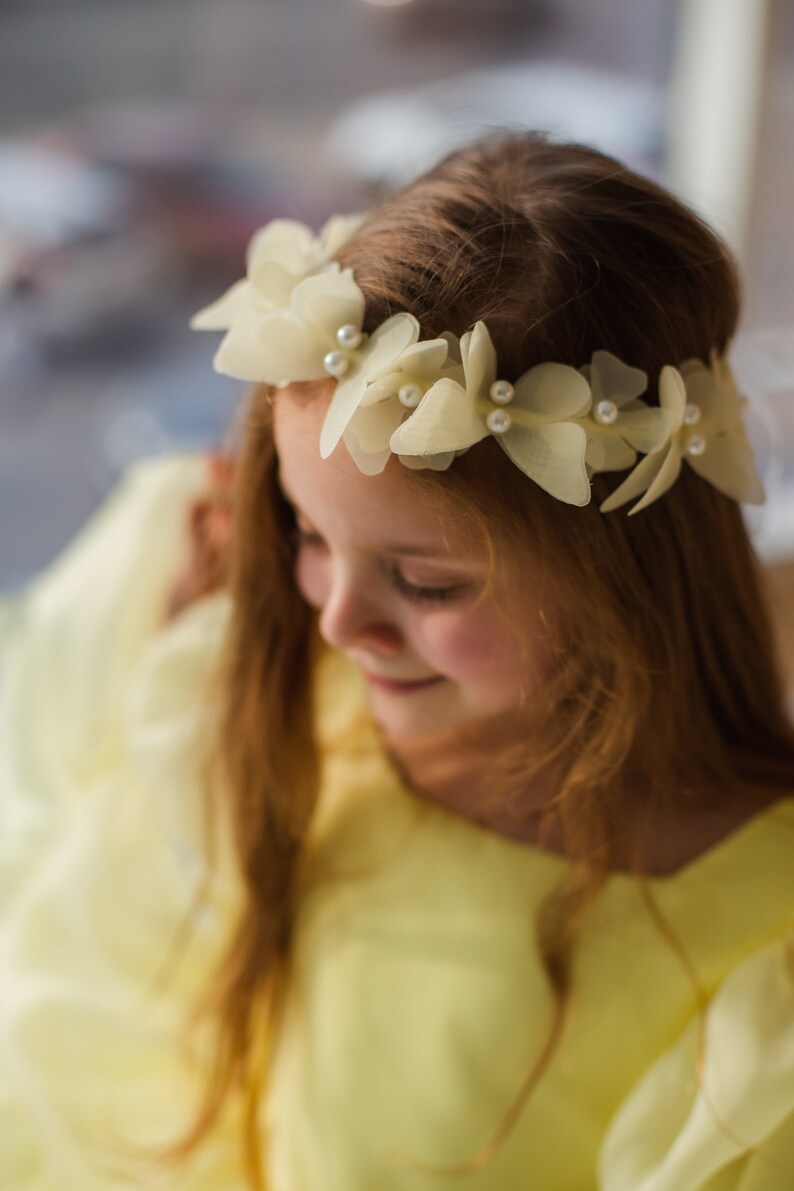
(279, 256)
(533, 421)
(283, 258)
(290, 344)
(376, 358)
(617, 425)
(385, 403)
(707, 431)
(297, 316)
(335, 232)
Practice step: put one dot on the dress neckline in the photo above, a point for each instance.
(352, 708)
(732, 842)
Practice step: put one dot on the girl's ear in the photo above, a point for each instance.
(209, 526)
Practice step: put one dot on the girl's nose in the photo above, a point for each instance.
(352, 615)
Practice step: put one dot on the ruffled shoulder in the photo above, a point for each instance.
(716, 1112)
(68, 647)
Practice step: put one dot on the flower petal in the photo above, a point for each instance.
(595, 454)
(328, 301)
(369, 463)
(336, 232)
(280, 255)
(438, 462)
(446, 419)
(728, 465)
(672, 395)
(273, 286)
(553, 391)
(344, 403)
(373, 425)
(617, 455)
(285, 242)
(714, 391)
(384, 387)
(478, 356)
(385, 347)
(237, 304)
(378, 357)
(553, 456)
(426, 359)
(612, 380)
(637, 482)
(665, 478)
(647, 429)
(273, 349)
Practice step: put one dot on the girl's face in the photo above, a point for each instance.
(397, 591)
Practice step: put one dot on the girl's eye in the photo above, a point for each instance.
(421, 594)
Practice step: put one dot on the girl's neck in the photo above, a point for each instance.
(664, 837)
(455, 770)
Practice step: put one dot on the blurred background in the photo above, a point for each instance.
(142, 141)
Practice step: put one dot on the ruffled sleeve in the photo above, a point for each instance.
(69, 646)
(716, 1112)
(113, 919)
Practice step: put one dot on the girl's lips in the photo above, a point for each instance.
(392, 684)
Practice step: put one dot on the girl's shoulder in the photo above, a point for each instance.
(673, 843)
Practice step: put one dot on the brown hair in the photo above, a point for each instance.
(669, 685)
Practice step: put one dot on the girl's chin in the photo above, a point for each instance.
(423, 717)
(434, 723)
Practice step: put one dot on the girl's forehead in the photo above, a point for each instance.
(391, 507)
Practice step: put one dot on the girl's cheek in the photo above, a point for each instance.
(471, 644)
(454, 641)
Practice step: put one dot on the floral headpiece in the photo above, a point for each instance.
(297, 316)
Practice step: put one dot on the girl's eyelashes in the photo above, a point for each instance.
(305, 537)
(422, 594)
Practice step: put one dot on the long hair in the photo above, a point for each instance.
(669, 687)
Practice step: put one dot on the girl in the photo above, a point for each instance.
(496, 883)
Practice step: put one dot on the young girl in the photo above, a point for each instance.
(434, 823)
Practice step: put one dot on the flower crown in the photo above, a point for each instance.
(297, 316)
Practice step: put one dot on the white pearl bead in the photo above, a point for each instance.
(410, 395)
(696, 445)
(501, 392)
(336, 364)
(498, 421)
(348, 336)
(691, 414)
(606, 413)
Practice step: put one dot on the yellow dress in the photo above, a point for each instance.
(416, 1001)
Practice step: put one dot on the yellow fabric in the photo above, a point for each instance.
(103, 854)
(416, 1000)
